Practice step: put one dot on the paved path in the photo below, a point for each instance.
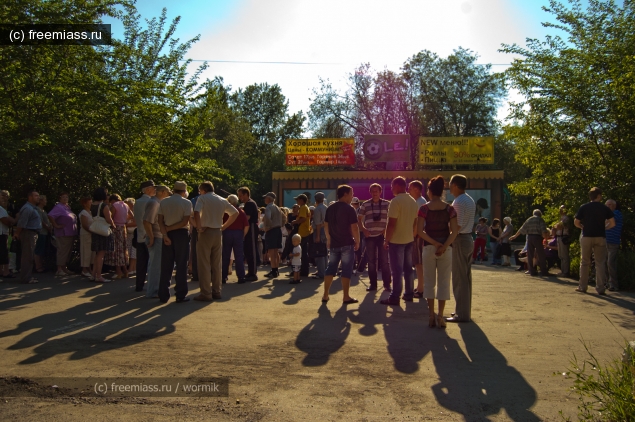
(290, 357)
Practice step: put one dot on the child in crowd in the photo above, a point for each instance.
(481, 239)
(296, 260)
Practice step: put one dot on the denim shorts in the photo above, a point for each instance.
(346, 254)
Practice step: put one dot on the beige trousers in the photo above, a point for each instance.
(209, 253)
(597, 247)
(86, 255)
(64, 249)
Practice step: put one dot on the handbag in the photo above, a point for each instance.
(566, 239)
(99, 225)
(318, 250)
(134, 239)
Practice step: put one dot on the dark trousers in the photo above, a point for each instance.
(28, 239)
(143, 256)
(193, 241)
(535, 248)
(233, 240)
(304, 268)
(249, 248)
(178, 252)
(360, 254)
(376, 254)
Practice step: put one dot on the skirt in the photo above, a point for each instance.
(118, 256)
(132, 251)
(41, 244)
(101, 243)
(505, 249)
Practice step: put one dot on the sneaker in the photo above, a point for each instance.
(85, 274)
(251, 277)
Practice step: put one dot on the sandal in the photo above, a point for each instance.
(440, 322)
(417, 295)
(432, 321)
(32, 281)
(325, 300)
(351, 300)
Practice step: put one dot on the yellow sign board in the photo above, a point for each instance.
(320, 152)
(436, 150)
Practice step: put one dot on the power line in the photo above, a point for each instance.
(307, 63)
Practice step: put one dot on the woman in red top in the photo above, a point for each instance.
(438, 228)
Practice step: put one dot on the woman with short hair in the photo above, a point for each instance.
(64, 222)
(437, 226)
(118, 257)
(86, 255)
(131, 226)
(506, 249)
(101, 244)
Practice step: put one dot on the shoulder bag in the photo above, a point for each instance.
(99, 225)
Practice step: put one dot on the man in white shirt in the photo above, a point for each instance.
(462, 250)
(148, 190)
(208, 215)
(415, 189)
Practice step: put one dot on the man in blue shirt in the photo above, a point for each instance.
(28, 226)
(613, 239)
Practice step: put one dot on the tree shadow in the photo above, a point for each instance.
(323, 336)
(480, 383)
(109, 320)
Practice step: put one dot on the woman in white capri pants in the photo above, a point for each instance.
(438, 228)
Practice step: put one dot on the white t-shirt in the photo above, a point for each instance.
(88, 215)
(4, 229)
(297, 260)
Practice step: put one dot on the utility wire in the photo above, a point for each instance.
(308, 63)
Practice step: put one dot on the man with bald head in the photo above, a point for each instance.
(613, 239)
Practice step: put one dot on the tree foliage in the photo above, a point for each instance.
(575, 126)
(436, 96)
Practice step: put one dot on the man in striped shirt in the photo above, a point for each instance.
(373, 218)
(462, 250)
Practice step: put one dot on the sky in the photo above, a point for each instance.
(328, 39)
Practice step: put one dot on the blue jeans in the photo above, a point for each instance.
(154, 267)
(233, 239)
(497, 258)
(347, 255)
(320, 261)
(401, 267)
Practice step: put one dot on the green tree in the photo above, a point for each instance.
(575, 126)
(265, 109)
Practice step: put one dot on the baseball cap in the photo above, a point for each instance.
(146, 184)
(303, 197)
(270, 195)
(355, 200)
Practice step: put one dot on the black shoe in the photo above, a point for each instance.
(371, 288)
(185, 299)
(251, 277)
(164, 301)
(225, 281)
(406, 298)
(241, 281)
(387, 289)
(295, 282)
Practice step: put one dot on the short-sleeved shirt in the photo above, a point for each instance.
(139, 211)
(4, 229)
(421, 201)
(297, 260)
(465, 209)
(212, 208)
(151, 215)
(174, 209)
(29, 218)
(437, 222)
(533, 225)
(65, 217)
(404, 208)
(481, 231)
(240, 223)
(377, 225)
(120, 214)
(593, 216)
(273, 217)
(319, 213)
(614, 235)
(251, 210)
(340, 216)
(304, 229)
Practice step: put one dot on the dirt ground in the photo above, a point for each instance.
(289, 357)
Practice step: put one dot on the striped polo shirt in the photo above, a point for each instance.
(367, 209)
(614, 235)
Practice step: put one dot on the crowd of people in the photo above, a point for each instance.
(164, 233)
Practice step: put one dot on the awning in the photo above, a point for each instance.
(384, 174)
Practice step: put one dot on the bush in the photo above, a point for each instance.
(606, 393)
